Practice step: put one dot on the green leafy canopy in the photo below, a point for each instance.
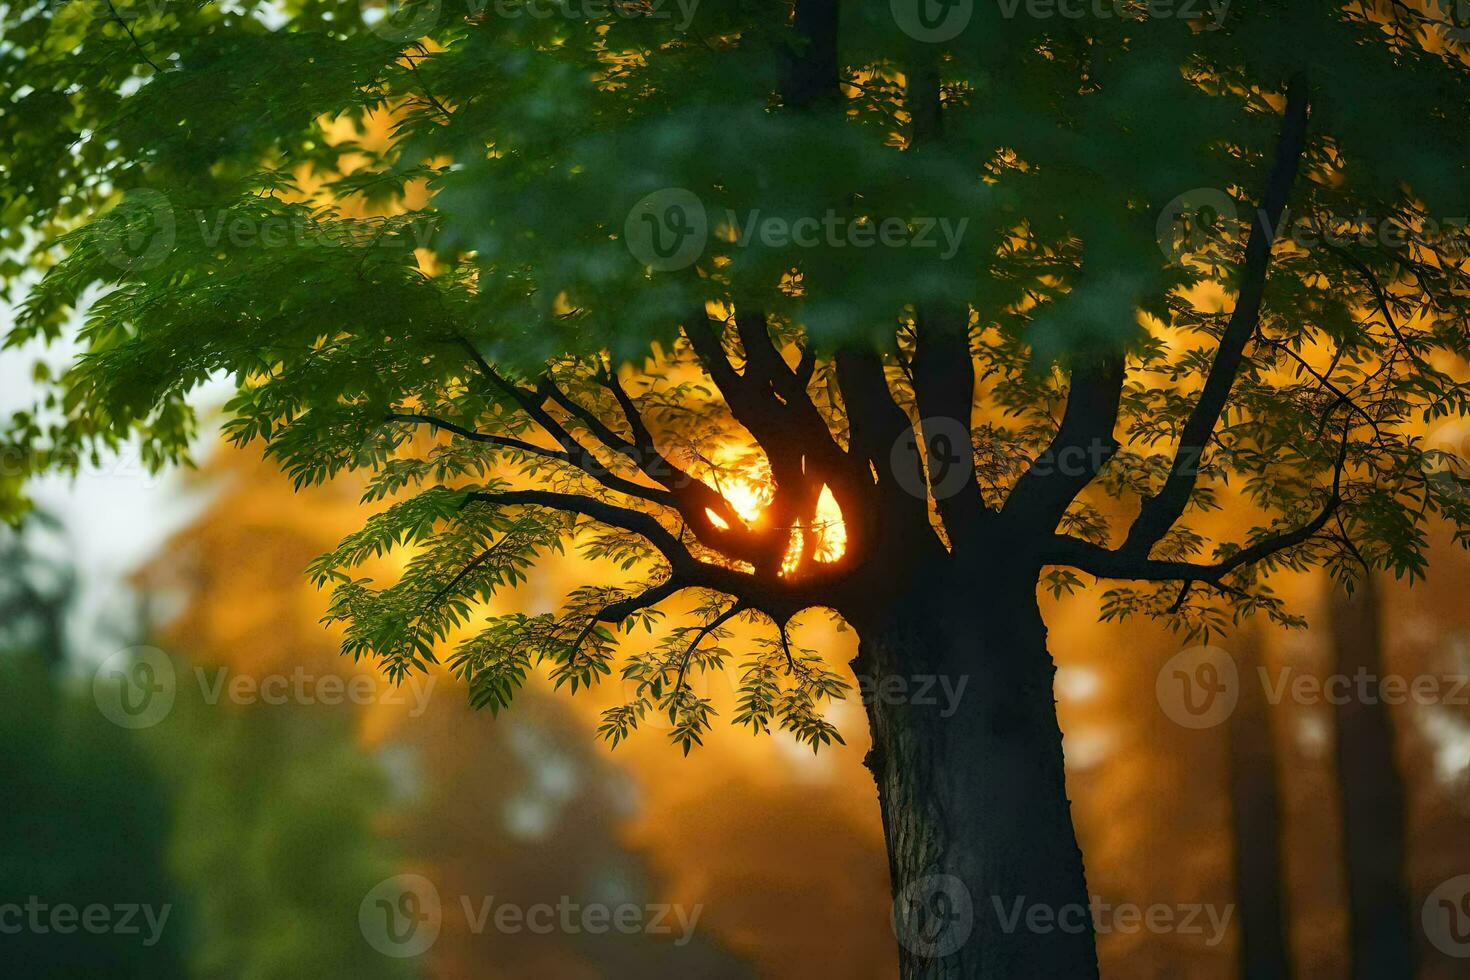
(431, 245)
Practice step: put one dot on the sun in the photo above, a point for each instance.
(829, 527)
(749, 501)
(748, 497)
(746, 486)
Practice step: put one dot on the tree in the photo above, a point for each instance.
(273, 840)
(35, 594)
(86, 826)
(524, 814)
(1255, 824)
(86, 821)
(1374, 799)
(516, 311)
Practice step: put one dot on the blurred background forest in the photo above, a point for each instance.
(264, 825)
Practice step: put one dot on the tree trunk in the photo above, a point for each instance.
(1380, 921)
(1265, 953)
(987, 876)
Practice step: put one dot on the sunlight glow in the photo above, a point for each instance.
(750, 493)
(748, 497)
(830, 528)
(792, 560)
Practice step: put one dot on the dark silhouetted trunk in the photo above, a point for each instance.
(1265, 952)
(987, 876)
(1380, 921)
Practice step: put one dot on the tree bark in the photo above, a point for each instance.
(987, 877)
(1380, 920)
(1265, 952)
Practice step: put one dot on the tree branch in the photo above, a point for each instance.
(695, 495)
(704, 631)
(811, 72)
(774, 596)
(583, 460)
(623, 608)
(689, 496)
(475, 435)
(1083, 443)
(876, 427)
(1159, 512)
(796, 440)
(944, 388)
(1380, 295)
(1123, 564)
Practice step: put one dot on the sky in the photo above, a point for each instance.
(115, 516)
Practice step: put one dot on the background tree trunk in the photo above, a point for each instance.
(1262, 908)
(1371, 790)
(987, 876)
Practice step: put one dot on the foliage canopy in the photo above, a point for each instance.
(430, 246)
